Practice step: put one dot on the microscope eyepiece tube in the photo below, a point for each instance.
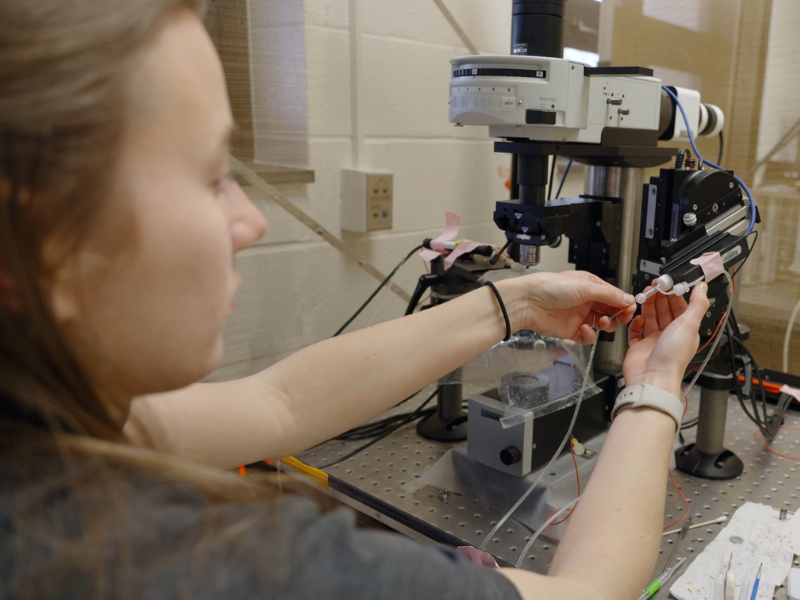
(537, 28)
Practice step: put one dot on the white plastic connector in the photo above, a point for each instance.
(679, 289)
(579, 448)
(663, 285)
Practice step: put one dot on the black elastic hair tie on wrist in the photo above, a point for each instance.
(502, 308)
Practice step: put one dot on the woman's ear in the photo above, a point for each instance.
(63, 294)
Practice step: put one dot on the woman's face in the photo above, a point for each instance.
(146, 301)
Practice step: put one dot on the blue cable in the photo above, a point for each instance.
(712, 165)
(563, 178)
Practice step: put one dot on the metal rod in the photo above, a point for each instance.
(711, 421)
(626, 184)
(456, 27)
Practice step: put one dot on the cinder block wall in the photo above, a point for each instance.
(297, 290)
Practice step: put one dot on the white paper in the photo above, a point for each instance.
(765, 539)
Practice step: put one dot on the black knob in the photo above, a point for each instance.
(510, 455)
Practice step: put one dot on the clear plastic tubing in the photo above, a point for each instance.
(546, 470)
(544, 526)
(569, 432)
(716, 339)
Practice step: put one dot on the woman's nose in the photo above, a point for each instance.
(247, 223)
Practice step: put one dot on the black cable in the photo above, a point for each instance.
(552, 174)
(738, 339)
(681, 156)
(378, 289)
(383, 429)
(374, 428)
(764, 423)
(425, 282)
(754, 417)
(496, 258)
(721, 148)
(410, 417)
(735, 336)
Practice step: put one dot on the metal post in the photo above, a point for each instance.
(626, 184)
(707, 457)
(711, 421)
(449, 422)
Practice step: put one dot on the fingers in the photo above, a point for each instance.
(601, 292)
(663, 311)
(677, 304)
(698, 306)
(635, 330)
(586, 334)
(650, 318)
(606, 323)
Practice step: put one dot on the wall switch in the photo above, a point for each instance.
(367, 200)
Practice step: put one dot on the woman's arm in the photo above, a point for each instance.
(611, 543)
(331, 386)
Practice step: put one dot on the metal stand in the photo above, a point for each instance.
(449, 422)
(707, 458)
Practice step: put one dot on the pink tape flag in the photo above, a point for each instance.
(451, 229)
(463, 248)
(711, 263)
(794, 392)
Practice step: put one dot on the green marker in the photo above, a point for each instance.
(651, 589)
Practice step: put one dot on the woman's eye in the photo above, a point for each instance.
(222, 183)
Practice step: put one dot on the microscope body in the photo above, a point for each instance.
(623, 229)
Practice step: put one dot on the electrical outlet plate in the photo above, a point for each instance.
(367, 200)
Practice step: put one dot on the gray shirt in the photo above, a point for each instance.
(138, 537)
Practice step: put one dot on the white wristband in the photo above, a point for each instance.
(645, 394)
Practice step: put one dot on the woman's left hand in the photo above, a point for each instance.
(570, 305)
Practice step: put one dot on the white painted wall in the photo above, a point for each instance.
(298, 290)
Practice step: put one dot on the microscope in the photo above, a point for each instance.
(623, 229)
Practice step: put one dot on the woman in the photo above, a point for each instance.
(119, 227)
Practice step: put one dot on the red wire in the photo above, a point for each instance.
(775, 452)
(686, 514)
(714, 334)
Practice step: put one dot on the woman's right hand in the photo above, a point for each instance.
(663, 339)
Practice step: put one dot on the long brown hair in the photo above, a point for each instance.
(65, 83)
(64, 73)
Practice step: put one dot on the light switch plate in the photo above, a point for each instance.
(367, 200)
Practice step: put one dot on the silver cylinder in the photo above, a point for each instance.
(603, 181)
(711, 421)
(529, 255)
(624, 183)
